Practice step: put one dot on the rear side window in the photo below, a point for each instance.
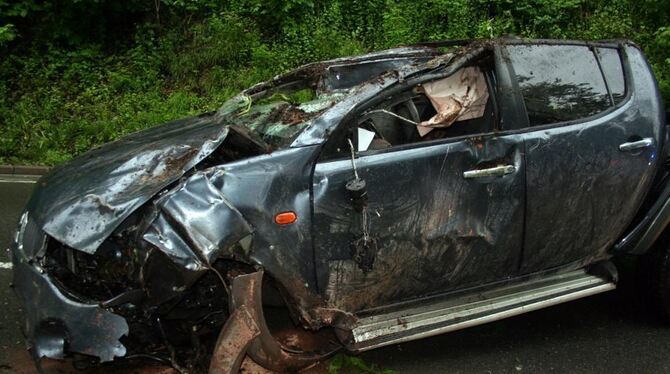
(559, 83)
(613, 72)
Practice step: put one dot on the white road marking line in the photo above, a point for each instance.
(16, 181)
(5, 265)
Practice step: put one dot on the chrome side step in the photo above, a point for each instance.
(474, 309)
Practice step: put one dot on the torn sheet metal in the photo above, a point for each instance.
(348, 75)
(195, 223)
(349, 68)
(56, 323)
(83, 201)
(458, 97)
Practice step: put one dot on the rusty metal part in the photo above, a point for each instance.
(250, 366)
(234, 340)
(265, 349)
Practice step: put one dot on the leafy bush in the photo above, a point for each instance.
(77, 73)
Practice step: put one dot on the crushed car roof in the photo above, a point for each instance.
(83, 201)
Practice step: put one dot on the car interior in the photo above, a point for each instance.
(409, 117)
(398, 121)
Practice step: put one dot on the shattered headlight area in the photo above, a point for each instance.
(155, 288)
(110, 272)
(56, 322)
(124, 301)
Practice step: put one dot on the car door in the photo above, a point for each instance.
(590, 149)
(441, 215)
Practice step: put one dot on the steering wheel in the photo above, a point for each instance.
(395, 122)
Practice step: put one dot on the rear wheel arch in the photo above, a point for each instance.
(654, 275)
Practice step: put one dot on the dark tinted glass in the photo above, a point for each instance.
(613, 71)
(559, 83)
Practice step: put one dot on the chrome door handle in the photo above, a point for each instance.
(631, 146)
(490, 172)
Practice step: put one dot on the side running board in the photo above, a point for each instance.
(473, 309)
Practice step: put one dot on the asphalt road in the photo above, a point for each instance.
(13, 196)
(608, 333)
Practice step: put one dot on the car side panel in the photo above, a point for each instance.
(436, 231)
(260, 188)
(582, 191)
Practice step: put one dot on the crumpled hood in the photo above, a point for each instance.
(83, 201)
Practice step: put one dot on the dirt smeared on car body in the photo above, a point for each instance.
(132, 248)
(408, 176)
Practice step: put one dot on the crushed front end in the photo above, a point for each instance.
(133, 253)
(56, 321)
(126, 300)
(148, 246)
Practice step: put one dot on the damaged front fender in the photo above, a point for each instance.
(114, 180)
(195, 223)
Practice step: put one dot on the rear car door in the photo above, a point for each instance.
(437, 220)
(591, 147)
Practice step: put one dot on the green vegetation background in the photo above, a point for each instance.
(77, 73)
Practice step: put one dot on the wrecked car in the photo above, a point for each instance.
(352, 204)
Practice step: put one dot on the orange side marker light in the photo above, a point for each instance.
(285, 218)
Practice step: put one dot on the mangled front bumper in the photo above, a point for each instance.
(57, 323)
(191, 225)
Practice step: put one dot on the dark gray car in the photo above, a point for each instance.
(351, 204)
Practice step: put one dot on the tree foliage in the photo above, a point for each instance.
(76, 73)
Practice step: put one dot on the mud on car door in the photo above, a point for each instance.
(590, 156)
(442, 211)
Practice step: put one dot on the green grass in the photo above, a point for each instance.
(58, 99)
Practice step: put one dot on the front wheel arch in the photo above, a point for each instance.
(265, 349)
